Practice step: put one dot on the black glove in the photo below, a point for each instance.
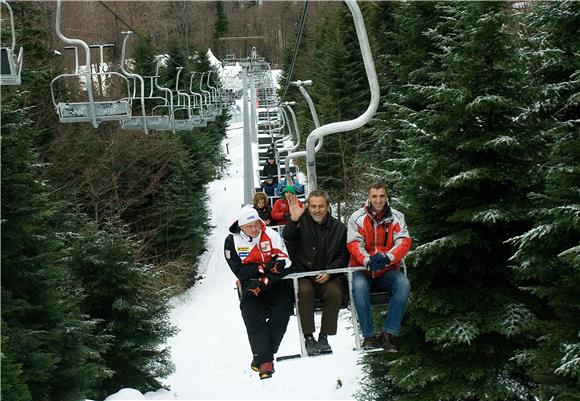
(254, 288)
(275, 266)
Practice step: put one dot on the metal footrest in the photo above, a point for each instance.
(118, 110)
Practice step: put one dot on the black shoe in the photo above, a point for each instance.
(388, 342)
(311, 345)
(370, 343)
(255, 366)
(323, 345)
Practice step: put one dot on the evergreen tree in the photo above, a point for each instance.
(220, 27)
(119, 294)
(404, 56)
(463, 179)
(49, 350)
(547, 257)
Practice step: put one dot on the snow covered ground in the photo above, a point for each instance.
(211, 352)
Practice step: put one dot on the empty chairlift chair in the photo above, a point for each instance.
(160, 106)
(88, 109)
(10, 63)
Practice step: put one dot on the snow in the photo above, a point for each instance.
(211, 352)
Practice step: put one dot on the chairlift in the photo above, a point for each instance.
(140, 121)
(159, 122)
(197, 101)
(229, 60)
(184, 105)
(164, 110)
(88, 110)
(295, 155)
(210, 111)
(349, 125)
(10, 64)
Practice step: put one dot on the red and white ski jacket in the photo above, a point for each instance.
(246, 256)
(367, 236)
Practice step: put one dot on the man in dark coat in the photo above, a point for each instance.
(317, 241)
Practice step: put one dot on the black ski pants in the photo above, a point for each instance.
(266, 318)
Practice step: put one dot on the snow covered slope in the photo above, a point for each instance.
(211, 351)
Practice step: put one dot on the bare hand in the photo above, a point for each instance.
(322, 278)
(295, 209)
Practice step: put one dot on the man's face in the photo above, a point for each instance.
(377, 199)
(269, 181)
(288, 195)
(252, 229)
(317, 208)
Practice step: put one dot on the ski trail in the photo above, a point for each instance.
(211, 352)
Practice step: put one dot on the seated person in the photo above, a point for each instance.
(298, 187)
(281, 209)
(268, 186)
(271, 168)
(258, 257)
(263, 208)
(317, 241)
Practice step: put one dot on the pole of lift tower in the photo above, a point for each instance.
(253, 117)
(248, 159)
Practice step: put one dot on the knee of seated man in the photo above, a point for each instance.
(333, 292)
(306, 290)
(403, 284)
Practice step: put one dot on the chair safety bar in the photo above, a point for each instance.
(348, 270)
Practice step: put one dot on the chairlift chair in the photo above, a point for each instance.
(184, 105)
(88, 110)
(10, 63)
(229, 60)
(209, 109)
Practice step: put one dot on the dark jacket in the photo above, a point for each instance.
(269, 189)
(271, 169)
(313, 246)
(265, 213)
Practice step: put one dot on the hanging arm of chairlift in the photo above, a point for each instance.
(167, 91)
(135, 77)
(83, 44)
(358, 122)
(288, 105)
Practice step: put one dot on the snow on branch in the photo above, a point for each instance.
(453, 332)
(463, 178)
(490, 216)
(516, 317)
(570, 363)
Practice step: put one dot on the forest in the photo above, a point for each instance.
(476, 135)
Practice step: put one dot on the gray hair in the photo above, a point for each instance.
(319, 193)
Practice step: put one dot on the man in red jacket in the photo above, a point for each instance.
(258, 257)
(378, 239)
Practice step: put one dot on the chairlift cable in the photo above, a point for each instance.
(296, 46)
(137, 34)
